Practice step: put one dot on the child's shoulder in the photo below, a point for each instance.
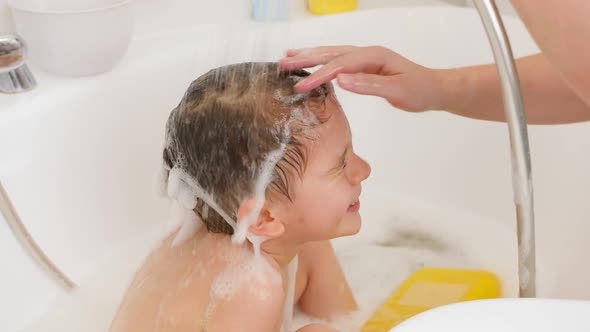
(252, 294)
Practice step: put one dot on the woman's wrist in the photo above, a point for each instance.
(453, 86)
(472, 92)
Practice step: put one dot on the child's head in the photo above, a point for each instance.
(233, 118)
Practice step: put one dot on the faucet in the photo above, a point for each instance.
(15, 76)
(519, 145)
(21, 233)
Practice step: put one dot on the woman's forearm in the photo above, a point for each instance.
(475, 92)
(561, 28)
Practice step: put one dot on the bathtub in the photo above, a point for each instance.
(77, 158)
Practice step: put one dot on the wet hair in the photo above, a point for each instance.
(229, 120)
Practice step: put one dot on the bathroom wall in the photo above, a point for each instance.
(185, 12)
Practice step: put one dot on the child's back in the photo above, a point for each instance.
(179, 288)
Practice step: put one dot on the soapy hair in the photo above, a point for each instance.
(228, 123)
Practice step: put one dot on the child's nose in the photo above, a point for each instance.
(360, 170)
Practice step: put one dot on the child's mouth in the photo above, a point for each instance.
(354, 207)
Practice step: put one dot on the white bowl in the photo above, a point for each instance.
(74, 37)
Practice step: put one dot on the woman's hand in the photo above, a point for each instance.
(372, 70)
(472, 92)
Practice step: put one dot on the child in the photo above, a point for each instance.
(256, 156)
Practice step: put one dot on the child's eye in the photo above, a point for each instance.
(343, 165)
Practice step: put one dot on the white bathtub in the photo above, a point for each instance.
(77, 157)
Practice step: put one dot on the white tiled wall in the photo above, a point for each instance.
(183, 13)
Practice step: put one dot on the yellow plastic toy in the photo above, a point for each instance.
(323, 7)
(429, 288)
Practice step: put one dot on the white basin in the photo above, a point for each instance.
(506, 315)
(77, 157)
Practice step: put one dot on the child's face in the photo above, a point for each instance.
(326, 200)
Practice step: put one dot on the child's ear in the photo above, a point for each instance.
(266, 225)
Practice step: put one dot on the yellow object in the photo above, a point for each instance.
(323, 7)
(429, 288)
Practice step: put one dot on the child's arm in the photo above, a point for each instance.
(327, 292)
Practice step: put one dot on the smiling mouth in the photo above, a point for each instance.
(354, 207)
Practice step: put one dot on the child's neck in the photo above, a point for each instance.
(280, 252)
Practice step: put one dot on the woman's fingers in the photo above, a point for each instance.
(362, 60)
(372, 70)
(311, 57)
